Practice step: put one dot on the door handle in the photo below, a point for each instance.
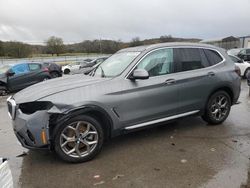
(170, 81)
(211, 74)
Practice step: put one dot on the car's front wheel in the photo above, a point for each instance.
(217, 108)
(80, 139)
(3, 91)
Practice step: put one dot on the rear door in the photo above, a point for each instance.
(36, 73)
(196, 76)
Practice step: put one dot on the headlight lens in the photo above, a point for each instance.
(32, 107)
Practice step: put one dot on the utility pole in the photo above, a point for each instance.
(100, 42)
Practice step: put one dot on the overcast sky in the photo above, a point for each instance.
(78, 20)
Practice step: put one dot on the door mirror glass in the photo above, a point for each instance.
(140, 74)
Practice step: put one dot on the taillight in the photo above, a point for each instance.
(237, 70)
(45, 69)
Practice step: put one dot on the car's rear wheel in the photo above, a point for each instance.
(54, 74)
(80, 139)
(66, 71)
(3, 91)
(217, 108)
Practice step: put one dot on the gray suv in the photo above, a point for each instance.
(133, 89)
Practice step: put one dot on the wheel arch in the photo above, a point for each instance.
(227, 89)
(91, 110)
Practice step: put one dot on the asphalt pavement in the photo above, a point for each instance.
(186, 153)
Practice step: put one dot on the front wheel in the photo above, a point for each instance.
(247, 73)
(3, 91)
(78, 140)
(217, 108)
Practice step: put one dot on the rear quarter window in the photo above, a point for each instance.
(34, 67)
(213, 56)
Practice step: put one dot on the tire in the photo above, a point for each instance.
(54, 74)
(217, 108)
(74, 137)
(45, 78)
(66, 71)
(247, 72)
(3, 91)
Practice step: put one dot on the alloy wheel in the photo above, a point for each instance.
(78, 139)
(219, 107)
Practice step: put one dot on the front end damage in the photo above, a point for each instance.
(32, 122)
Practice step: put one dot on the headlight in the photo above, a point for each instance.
(32, 107)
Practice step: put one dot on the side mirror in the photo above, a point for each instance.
(139, 74)
(240, 61)
(10, 73)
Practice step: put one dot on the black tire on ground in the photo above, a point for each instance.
(247, 71)
(3, 91)
(54, 74)
(46, 78)
(65, 131)
(66, 71)
(217, 108)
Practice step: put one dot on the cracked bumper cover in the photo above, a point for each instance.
(32, 130)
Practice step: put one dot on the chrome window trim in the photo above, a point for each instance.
(173, 47)
(161, 120)
(13, 108)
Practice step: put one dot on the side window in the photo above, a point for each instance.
(247, 51)
(20, 69)
(213, 56)
(157, 63)
(34, 67)
(190, 59)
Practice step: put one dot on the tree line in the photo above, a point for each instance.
(55, 46)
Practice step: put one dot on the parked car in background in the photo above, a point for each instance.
(133, 89)
(73, 67)
(243, 65)
(55, 70)
(244, 54)
(19, 76)
(234, 51)
(94, 62)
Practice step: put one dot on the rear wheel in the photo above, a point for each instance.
(46, 78)
(54, 74)
(78, 140)
(3, 91)
(66, 71)
(217, 108)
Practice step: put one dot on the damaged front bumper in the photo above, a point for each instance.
(32, 130)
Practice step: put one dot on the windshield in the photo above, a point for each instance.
(115, 65)
(4, 68)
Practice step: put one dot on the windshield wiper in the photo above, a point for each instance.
(103, 74)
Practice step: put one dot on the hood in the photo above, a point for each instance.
(57, 85)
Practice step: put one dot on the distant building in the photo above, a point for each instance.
(230, 42)
(245, 41)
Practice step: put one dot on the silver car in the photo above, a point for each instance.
(133, 89)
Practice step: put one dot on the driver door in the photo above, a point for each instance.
(153, 98)
(19, 79)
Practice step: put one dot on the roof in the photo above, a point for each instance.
(167, 44)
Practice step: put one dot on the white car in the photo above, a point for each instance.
(243, 65)
(6, 179)
(73, 67)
